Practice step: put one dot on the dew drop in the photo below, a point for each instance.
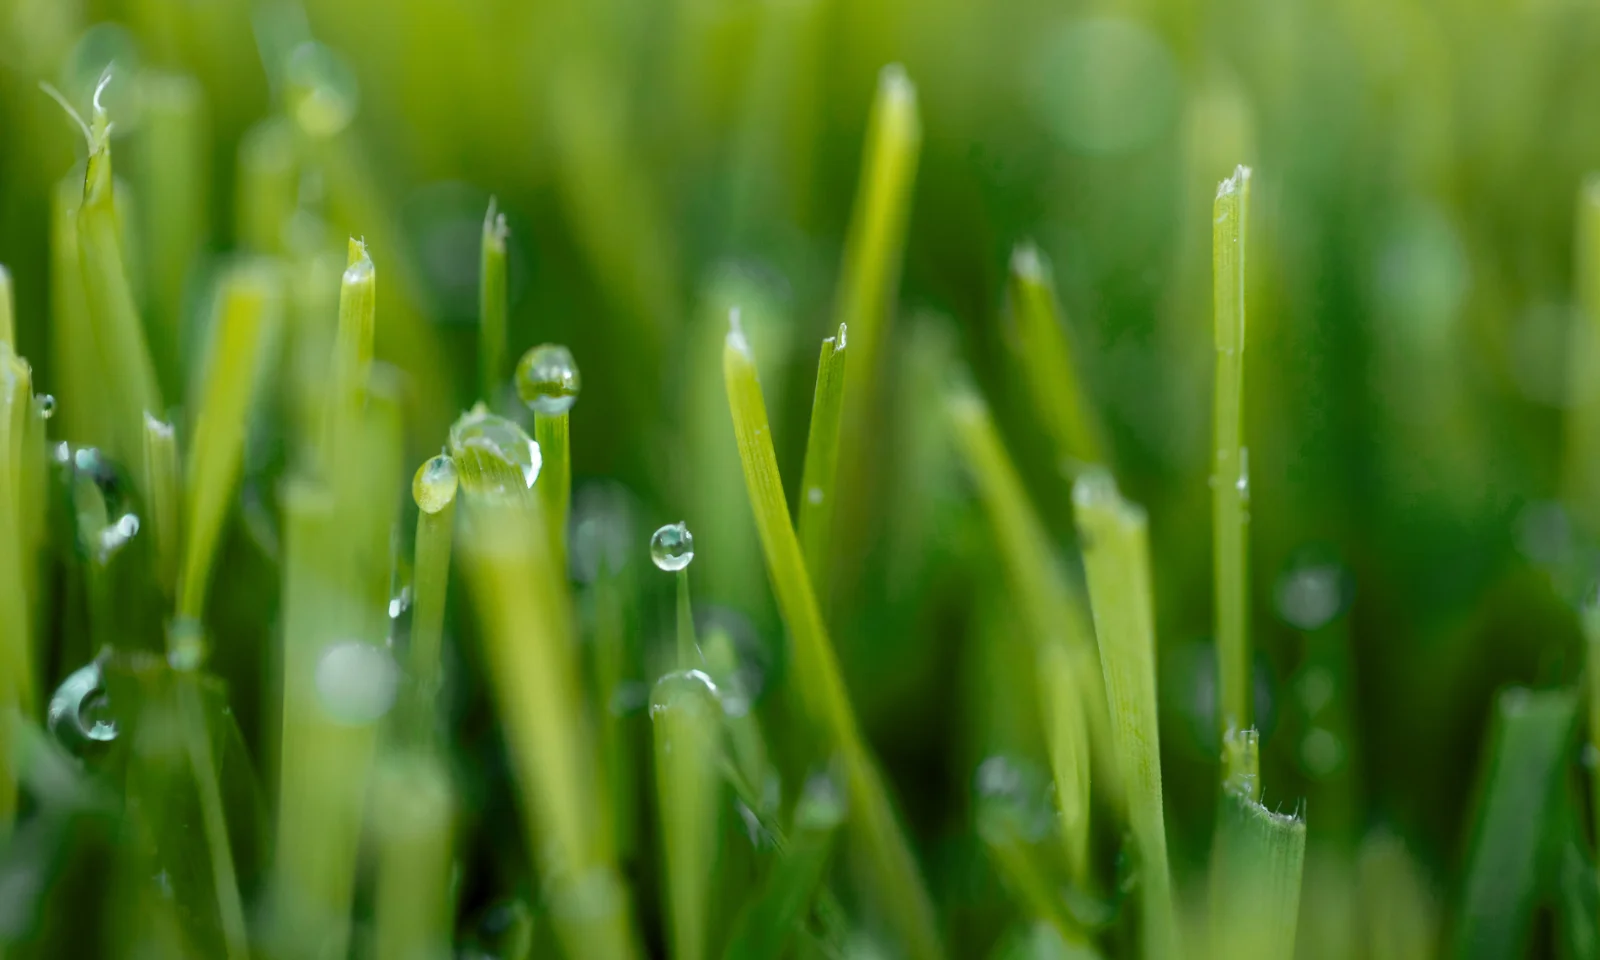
(822, 803)
(672, 546)
(1013, 799)
(492, 454)
(547, 379)
(356, 682)
(1322, 752)
(79, 715)
(44, 406)
(684, 690)
(434, 486)
(814, 495)
(186, 649)
(1310, 597)
(321, 91)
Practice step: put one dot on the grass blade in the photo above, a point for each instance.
(1256, 863)
(434, 490)
(686, 717)
(822, 460)
(268, 187)
(1067, 736)
(1117, 559)
(1045, 355)
(765, 927)
(1526, 768)
(1581, 461)
(553, 433)
(8, 309)
(1230, 472)
(492, 304)
(352, 354)
(18, 696)
(816, 672)
(79, 383)
(163, 499)
(413, 819)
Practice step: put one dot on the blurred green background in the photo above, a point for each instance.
(1413, 298)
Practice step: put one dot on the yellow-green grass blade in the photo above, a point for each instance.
(1045, 356)
(1230, 470)
(163, 499)
(686, 719)
(412, 815)
(817, 486)
(492, 304)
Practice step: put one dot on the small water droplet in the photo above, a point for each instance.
(684, 690)
(434, 486)
(356, 681)
(822, 803)
(400, 603)
(79, 715)
(1310, 596)
(116, 536)
(672, 547)
(1322, 752)
(1014, 799)
(492, 454)
(321, 91)
(814, 494)
(1242, 484)
(547, 379)
(44, 406)
(1316, 690)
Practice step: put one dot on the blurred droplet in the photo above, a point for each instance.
(185, 645)
(321, 91)
(1316, 689)
(400, 602)
(672, 547)
(684, 690)
(1541, 340)
(492, 454)
(602, 529)
(1422, 279)
(1321, 752)
(547, 379)
(356, 681)
(822, 803)
(79, 715)
(503, 930)
(44, 406)
(1544, 533)
(1014, 799)
(1310, 596)
(1105, 85)
(434, 486)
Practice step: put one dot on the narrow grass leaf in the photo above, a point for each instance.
(817, 488)
(352, 354)
(1230, 470)
(8, 309)
(686, 718)
(412, 816)
(552, 431)
(779, 908)
(1581, 457)
(268, 187)
(1257, 860)
(492, 304)
(1117, 559)
(163, 499)
(1045, 356)
(1067, 738)
(434, 489)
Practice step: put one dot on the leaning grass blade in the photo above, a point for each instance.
(1504, 871)
(163, 499)
(248, 310)
(822, 459)
(1230, 473)
(8, 309)
(530, 657)
(1045, 356)
(492, 305)
(1014, 820)
(1581, 466)
(1590, 617)
(686, 717)
(411, 816)
(780, 906)
(1117, 560)
(173, 154)
(815, 670)
(1257, 856)
(113, 311)
(1067, 736)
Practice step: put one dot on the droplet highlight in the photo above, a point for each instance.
(79, 715)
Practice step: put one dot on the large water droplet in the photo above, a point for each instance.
(684, 690)
(434, 486)
(672, 546)
(547, 379)
(356, 681)
(79, 715)
(321, 91)
(492, 454)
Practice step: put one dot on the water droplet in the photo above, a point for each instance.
(321, 90)
(1316, 690)
(356, 681)
(400, 603)
(1242, 484)
(102, 507)
(547, 379)
(602, 530)
(684, 690)
(44, 406)
(501, 931)
(814, 494)
(672, 546)
(116, 536)
(1322, 752)
(79, 715)
(822, 803)
(1310, 596)
(1014, 799)
(434, 486)
(492, 454)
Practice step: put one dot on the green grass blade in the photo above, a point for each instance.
(434, 489)
(1013, 819)
(412, 818)
(817, 490)
(766, 926)
(1044, 354)
(1067, 737)
(81, 389)
(1581, 461)
(815, 669)
(352, 354)
(1230, 473)
(686, 718)
(18, 697)
(1117, 560)
(688, 643)
(268, 187)
(492, 304)
(1527, 761)
(553, 433)
(163, 499)
(8, 309)
(1257, 858)
(248, 311)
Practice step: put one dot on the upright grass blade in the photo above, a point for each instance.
(1257, 860)
(412, 818)
(817, 488)
(352, 354)
(773, 917)
(686, 717)
(18, 698)
(1505, 860)
(1230, 470)
(553, 433)
(1067, 736)
(8, 309)
(164, 500)
(1399, 913)
(82, 390)
(492, 304)
(815, 670)
(113, 311)
(1051, 607)
(1581, 461)
(434, 490)
(1044, 355)
(530, 655)
(1013, 821)
(268, 187)
(1117, 559)
(1589, 616)
(249, 307)
(688, 643)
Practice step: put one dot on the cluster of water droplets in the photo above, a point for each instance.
(547, 379)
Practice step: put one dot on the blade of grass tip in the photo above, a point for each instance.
(492, 304)
(434, 490)
(526, 626)
(1230, 472)
(686, 719)
(1525, 771)
(1256, 864)
(268, 186)
(81, 387)
(1051, 606)
(548, 383)
(1045, 356)
(779, 908)
(8, 309)
(1117, 561)
(174, 174)
(352, 353)
(822, 460)
(113, 313)
(816, 670)
(870, 275)
(412, 817)
(163, 499)
(247, 311)
(1581, 466)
